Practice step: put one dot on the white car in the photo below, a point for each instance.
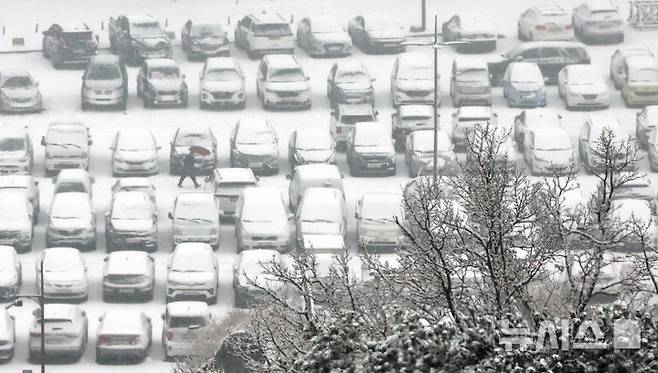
(375, 215)
(545, 22)
(64, 274)
(412, 79)
(195, 219)
(598, 20)
(73, 180)
(134, 152)
(221, 84)
(128, 273)
(311, 145)
(7, 335)
(131, 223)
(466, 118)
(11, 275)
(73, 227)
(262, 33)
(19, 92)
(16, 220)
(645, 123)
(123, 335)
(618, 60)
(182, 323)
(583, 86)
(262, 220)
(249, 269)
(534, 118)
(67, 146)
(549, 151)
(23, 183)
(322, 211)
(66, 327)
(590, 136)
(16, 152)
(136, 184)
(227, 184)
(282, 83)
(192, 273)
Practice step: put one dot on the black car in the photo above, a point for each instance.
(349, 82)
(68, 45)
(480, 40)
(550, 56)
(204, 40)
(376, 34)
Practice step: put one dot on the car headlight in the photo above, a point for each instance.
(298, 158)
(83, 154)
(205, 94)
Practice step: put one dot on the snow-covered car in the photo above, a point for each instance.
(16, 220)
(73, 180)
(324, 36)
(282, 83)
(598, 20)
(589, 138)
(68, 44)
(264, 33)
(255, 144)
(618, 59)
(221, 84)
(195, 219)
(136, 184)
(469, 82)
(23, 183)
(634, 217)
(376, 228)
(67, 146)
(639, 81)
(376, 34)
(249, 272)
(160, 82)
(652, 150)
(131, 223)
(583, 86)
(323, 244)
(64, 274)
(321, 211)
(226, 184)
(310, 145)
(16, 151)
(128, 273)
(531, 119)
(412, 79)
(545, 22)
(204, 40)
(123, 335)
(549, 151)
(343, 117)
(136, 37)
(134, 152)
(183, 323)
(419, 151)
(262, 220)
(71, 221)
(349, 82)
(7, 336)
(466, 118)
(192, 273)
(66, 330)
(370, 150)
(312, 175)
(635, 185)
(19, 92)
(11, 276)
(523, 85)
(193, 136)
(481, 38)
(645, 122)
(105, 83)
(408, 118)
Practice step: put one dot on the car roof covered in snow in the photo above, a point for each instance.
(281, 61)
(350, 65)
(220, 63)
(467, 63)
(548, 44)
(187, 308)
(6, 73)
(254, 124)
(424, 140)
(585, 69)
(160, 62)
(121, 321)
(195, 197)
(67, 200)
(235, 175)
(324, 19)
(15, 181)
(7, 252)
(126, 182)
(541, 116)
(323, 242)
(11, 198)
(627, 209)
(133, 198)
(355, 109)
(261, 194)
(317, 171)
(475, 112)
(192, 129)
(58, 311)
(599, 122)
(601, 5)
(652, 111)
(415, 111)
(61, 253)
(140, 18)
(73, 26)
(546, 10)
(73, 174)
(127, 262)
(635, 50)
(322, 193)
(105, 59)
(266, 17)
(193, 247)
(525, 70)
(641, 62)
(251, 260)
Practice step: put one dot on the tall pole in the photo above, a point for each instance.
(435, 169)
(423, 21)
(42, 357)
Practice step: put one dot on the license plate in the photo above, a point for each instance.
(53, 340)
(390, 45)
(256, 165)
(374, 165)
(125, 291)
(168, 98)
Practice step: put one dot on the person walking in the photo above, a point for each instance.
(188, 170)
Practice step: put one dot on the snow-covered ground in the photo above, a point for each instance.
(61, 91)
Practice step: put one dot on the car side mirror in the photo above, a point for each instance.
(97, 38)
(376, 112)
(307, 78)
(170, 216)
(107, 214)
(162, 315)
(43, 141)
(288, 177)
(332, 112)
(90, 142)
(357, 215)
(92, 179)
(106, 258)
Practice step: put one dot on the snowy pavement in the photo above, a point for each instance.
(61, 92)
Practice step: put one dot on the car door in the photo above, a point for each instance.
(562, 82)
(550, 61)
(528, 145)
(291, 147)
(330, 80)
(141, 79)
(583, 142)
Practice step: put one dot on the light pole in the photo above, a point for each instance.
(40, 300)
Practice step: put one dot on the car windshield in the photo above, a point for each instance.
(320, 212)
(12, 144)
(191, 262)
(133, 211)
(382, 210)
(254, 137)
(416, 73)
(525, 76)
(603, 13)
(327, 26)
(473, 76)
(382, 24)
(196, 211)
(313, 142)
(61, 209)
(187, 321)
(201, 31)
(17, 82)
(222, 75)
(583, 77)
(643, 75)
(272, 29)
(352, 76)
(263, 212)
(190, 139)
(168, 72)
(145, 28)
(134, 142)
(552, 142)
(70, 186)
(78, 36)
(287, 75)
(351, 119)
(56, 263)
(425, 144)
(416, 118)
(474, 120)
(67, 137)
(103, 72)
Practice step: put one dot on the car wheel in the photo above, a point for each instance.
(242, 105)
(213, 300)
(251, 53)
(146, 103)
(123, 105)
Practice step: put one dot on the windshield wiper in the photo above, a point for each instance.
(65, 144)
(195, 220)
(380, 220)
(317, 221)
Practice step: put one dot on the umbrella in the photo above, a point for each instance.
(200, 150)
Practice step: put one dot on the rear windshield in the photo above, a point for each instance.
(78, 36)
(185, 322)
(12, 144)
(272, 29)
(57, 325)
(207, 31)
(222, 75)
(70, 186)
(473, 76)
(103, 72)
(148, 28)
(190, 139)
(188, 262)
(17, 82)
(351, 119)
(604, 13)
(287, 75)
(578, 54)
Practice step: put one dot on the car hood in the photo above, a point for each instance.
(355, 86)
(153, 41)
(223, 86)
(320, 228)
(104, 84)
(332, 37)
(8, 278)
(289, 86)
(15, 225)
(599, 88)
(68, 276)
(271, 228)
(138, 225)
(17, 93)
(208, 40)
(379, 149)
(63, 151)
(315, 155)
(75, 223)
(391, 33)
(166, 84)
(257, 149)
(138, 155)
(191, 277)
(10, 156)
(535, 86)
(416, 84)
(558, 157)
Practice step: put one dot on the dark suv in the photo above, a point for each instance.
(550, 56)
(69, 45)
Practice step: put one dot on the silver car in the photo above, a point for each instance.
(105, 83)
(67, 146)
(324, 36)
(182, 322)
(123, 335)
(71, 221)
(195, 219)
(192, 273)
(136, 184)
(64, 274)
(221, 84)
(349, 82)
(419, 153)
(311, 145)
(11, 275)
(618, 73)
(262, 220)
(412, 79)
(128, 273)
(66, 327)
(134, 153)
(160, 82)
(598, 20)
(16, 151)
(132, 222)
(248, 271)
(19, 93)
(7, 335)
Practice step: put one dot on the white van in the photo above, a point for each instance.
(312, 175)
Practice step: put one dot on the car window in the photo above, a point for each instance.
(12, 144)
(146, 28)
(577, 54)
(286, 75)
(186, 321)
(272, 29)
(78, 36)
(103, 72)
(17, 82)
(187, 262)
(164, 73)
(546, 53)
(351, 119)
(530, 54)
(57, 325)
(220, 75)
(200, 31)
(70, 186)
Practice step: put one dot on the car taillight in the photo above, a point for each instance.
(134, 340)
(568, 27)
(103, 339)
(169, 336)
(540, 28)
(35, 334)
(339, 130)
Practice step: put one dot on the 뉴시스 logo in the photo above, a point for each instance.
(589, 336)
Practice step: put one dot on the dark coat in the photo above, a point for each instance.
(188, 164)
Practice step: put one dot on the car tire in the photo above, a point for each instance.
(242, 105)
(251, 53)
(146, 103)
(123, 105)
(213, 300)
